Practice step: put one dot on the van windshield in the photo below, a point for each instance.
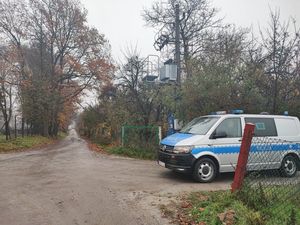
(200, 125)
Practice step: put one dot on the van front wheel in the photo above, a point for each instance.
(205, 170)
(289, 166)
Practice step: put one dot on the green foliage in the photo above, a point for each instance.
(254, 197)
(272, 201)
(90, 119)
(23, 143)
(101, 124)
(132, 102)
(139, 153)
(206, 207)
(223, 78)
(61, 135)
(141, 137)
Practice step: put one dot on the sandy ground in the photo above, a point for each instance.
(68, 184)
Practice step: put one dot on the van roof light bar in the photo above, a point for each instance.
(237, 111)
(219, 113)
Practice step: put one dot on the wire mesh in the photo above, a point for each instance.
(272, 180)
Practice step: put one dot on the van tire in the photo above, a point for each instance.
(289, 166)
(205, 170)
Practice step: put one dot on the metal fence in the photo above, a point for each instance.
(272, 180)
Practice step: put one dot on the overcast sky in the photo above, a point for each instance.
(123, 26)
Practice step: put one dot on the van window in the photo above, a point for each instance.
(200, 125)
(264, 127)
(286, 127)
(231, 126)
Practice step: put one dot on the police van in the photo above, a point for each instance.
(210, 145)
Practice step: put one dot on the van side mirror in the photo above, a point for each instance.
(221, 134)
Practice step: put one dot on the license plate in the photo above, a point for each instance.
(161, 163)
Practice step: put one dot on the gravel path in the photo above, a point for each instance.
(68, 184)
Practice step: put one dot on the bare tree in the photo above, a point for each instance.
(13, 24)
(139, 95)
(7, 90)
(197, 19)
(281, 58)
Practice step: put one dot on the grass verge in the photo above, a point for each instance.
(27, 142)
(131, 152)
(225, 208)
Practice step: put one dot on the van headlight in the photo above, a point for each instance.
(182, 149)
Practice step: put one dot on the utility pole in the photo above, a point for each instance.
(177, 43)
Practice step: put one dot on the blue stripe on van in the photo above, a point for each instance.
(275, 147)
(173, 139)
(254, 148)
(217, 149)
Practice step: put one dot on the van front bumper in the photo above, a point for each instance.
(176, 161)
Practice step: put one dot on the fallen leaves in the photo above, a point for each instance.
(185, 218)
(227, 217)
(201, 209)
(193, 210)
(95, 147)
(186, 204)
(167, 211)
(201, 197)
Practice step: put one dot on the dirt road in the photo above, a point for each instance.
(68, 184)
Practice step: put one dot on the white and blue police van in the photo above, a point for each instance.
(210, 145)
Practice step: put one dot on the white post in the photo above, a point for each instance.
(159, 134)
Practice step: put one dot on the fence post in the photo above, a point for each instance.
(243, 157)
(122, 135)
(159, 134)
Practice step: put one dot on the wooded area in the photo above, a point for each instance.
(224, 67)
(49, 55)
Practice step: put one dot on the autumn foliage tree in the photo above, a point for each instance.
(59, 57)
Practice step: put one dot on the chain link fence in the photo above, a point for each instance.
(272, 181)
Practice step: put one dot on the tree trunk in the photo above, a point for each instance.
(46, 128)
(7, 130)
(274, 108)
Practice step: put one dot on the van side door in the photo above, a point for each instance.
(226, 142)
(264, 142)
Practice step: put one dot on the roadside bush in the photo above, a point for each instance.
(139, 153)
